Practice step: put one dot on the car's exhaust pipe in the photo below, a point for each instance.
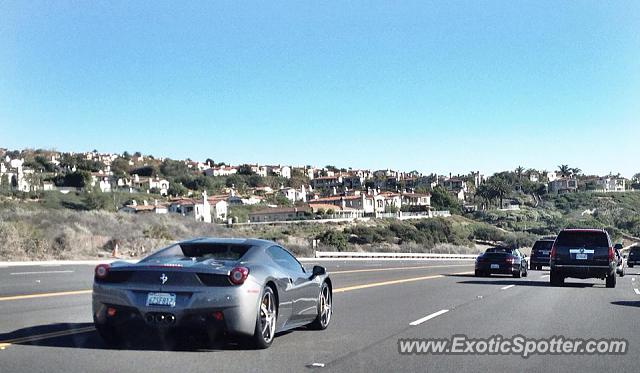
(160, 318)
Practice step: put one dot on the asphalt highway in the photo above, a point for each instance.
(45, 323)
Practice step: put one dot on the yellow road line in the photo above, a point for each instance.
(393, 282)
(44, 295)
(397, 268)
(39, 337)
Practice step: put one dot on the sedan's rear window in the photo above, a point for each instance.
(582, 239)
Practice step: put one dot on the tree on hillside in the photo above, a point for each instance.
(120, 167)
(171, 168)
(565, 170)
(441, 199)
(576, 171)
(245, 169)
(500, 187)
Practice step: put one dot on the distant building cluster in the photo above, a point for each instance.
(319, 193)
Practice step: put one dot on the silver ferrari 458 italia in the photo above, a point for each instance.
(247, 287)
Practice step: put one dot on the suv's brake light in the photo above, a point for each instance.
(552, 255)
(611, 254)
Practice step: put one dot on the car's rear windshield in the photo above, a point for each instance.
(542, 245)
(498, 250)
(582, 239)
(216, 251)
(635, 250)
(204, 251)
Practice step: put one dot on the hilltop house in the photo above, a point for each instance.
(280, 214)
(611, 184)
(206, 210)
(563, 185)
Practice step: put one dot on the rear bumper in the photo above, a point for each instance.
(539, 261)
(581, 271)
(238, 305)
(505, 269)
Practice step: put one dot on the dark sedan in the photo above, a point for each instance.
(504, 261)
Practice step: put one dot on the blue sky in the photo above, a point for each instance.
(447, 86)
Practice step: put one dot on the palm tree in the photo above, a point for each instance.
(565, 170)
(519, 171)
(499, 187)
(576, 171)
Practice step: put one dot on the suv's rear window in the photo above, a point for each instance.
(582, 239)
(542, 245)
(635, 250)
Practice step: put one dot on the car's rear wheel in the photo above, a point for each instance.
(325, 308)
(519, 273)
(266, 321)
(109, 334)
(555, 279)
(611, 281)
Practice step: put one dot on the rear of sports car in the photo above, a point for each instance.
(176, 291)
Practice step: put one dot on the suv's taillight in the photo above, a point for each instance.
(102, 271)
(552, 255)
(238, 275)
(612, 254)
(509, 260)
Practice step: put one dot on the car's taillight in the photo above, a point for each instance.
(552, 255)
(509, 260)
(611, 254)
(102, 270)
(238, 275)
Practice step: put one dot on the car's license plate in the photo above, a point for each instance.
(495, 266)
(161, 299)
(545, 252)
(581, 256)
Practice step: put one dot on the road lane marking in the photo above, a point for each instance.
(45, 295)
(397, 268)
(393, 282)
(507, 287)
(637, 291)
(39, 337)
(428, 317)
(38, 273)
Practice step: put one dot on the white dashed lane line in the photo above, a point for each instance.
(507, 287)
(38, 273)
(637, 291)
(428, 317)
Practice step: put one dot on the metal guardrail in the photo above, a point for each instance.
(365, 255)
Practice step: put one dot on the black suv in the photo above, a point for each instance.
(540, 253)
(583, 253)
(634, 256)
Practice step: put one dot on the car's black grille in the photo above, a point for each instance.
(214, 279)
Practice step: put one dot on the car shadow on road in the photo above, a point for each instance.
(629, 303)
(84, 335)
(505, 280)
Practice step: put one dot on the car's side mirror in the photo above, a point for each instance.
(318, 271)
